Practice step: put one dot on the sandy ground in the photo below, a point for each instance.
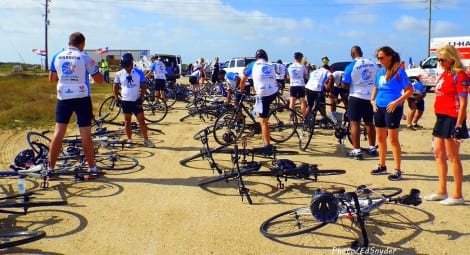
(158, 208)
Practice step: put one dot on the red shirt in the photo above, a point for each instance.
(448, 89)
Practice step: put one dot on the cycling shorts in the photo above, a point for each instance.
(80, 106)
(419, 103)
(266, 101)
(360, 110)
(134, 107)
(297, 91)
(445, 127)
(382, 118)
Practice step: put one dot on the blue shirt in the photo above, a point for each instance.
(389, 91)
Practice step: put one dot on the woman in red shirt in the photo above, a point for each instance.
(450, 107)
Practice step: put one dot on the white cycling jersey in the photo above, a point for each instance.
(130, 83)
(158, 69)
(231, 79)
(297, 73)
(360, 75)
(337, 75)
(264, 77)
(317, 79)
(280, 71)
(73, 67)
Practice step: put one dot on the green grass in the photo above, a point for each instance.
(28, 101)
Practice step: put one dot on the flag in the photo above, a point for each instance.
(39, 52)
(410, 62)
(101, 51)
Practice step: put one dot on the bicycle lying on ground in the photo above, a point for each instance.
(328, 207)
(9, 204)
(280, 168)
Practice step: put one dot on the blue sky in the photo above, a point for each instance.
(209, 28)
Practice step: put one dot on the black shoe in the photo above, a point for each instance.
(372, 151)
(379, 170)
(395, 176)
(417, 126)
(410, 127)
(268, 149)
(354, 154)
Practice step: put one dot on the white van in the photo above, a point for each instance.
(173, 65)
(236, 65)
(429, 70)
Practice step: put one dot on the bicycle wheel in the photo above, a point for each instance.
(36, 140)
(115, 162)
(227, 129)
(227, 176)
(155, 111)
(305, 130)
(290, 223)
(282, 124)
(373, 193)
(16, 238)
(109, 107)
(170, 96)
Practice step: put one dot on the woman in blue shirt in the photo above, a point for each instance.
(387, 101)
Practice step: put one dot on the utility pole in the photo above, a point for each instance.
(429, 28)
(46, 24)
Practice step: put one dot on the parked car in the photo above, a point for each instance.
(339, 66)
(236, 65)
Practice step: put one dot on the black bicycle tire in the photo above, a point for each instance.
(32, 141)
(170, 96)
(267, 224)
(280, 123)
(150, 110)
(387, 192)
(326, 172)
(303, 144)
(112, 166)
(231, 122)
(110, 105)
(28, 237)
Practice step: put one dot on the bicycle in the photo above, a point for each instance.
(280, 168)
(232, 123)
(328, 207)
(170, 94)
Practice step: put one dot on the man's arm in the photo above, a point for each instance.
(53, 77)
(98, 77)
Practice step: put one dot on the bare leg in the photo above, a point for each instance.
(127, 125)
(142, 125)
(382, 142)
(56, 143)
(441, 164)
(371, 135)
(355, 134)
(396, 148)
(265, 130)
(87, 143)
(452, 148)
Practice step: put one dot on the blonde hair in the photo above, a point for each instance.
(450, 52)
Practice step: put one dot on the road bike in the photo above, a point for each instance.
(281, 169)
(233, 123)
(328, 207)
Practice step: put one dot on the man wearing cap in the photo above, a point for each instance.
(264, 81)
(297, 73)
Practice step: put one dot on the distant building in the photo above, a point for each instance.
(114, 56)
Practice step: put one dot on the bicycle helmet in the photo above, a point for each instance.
(228, 137)
(298, 55)
(25, 158)
(279, 61)
(73, 151)
(261, 54)
(324, 206)
(126, 60)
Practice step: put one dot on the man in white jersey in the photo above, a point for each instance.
(337, 91)
(158, 70)
(297, 73)
(70, 69)
(233, 82)
(359, 78)
(319, 80)
(280, 75)
(129, 88)
(264, 82)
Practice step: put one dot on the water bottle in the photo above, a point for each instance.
(21, 185)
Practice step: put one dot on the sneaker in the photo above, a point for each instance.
(94, 170)
(372, 151)
(435, 197)
(128, 143)
(395, 176)
(149, 144)
(379, 170)
(354, 154)
(417, 126)
(452, 201)
(410, 127)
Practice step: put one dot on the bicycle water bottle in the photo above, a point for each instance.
(21, 185)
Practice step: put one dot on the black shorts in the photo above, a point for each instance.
(337, 91)
(80, 106)
(389, 120)
(419, 103)
(193, 80)
(445, 126)
(297, 91)
(134, 107)
(313, 96)
(266, 101)
(160, 84)
(360, 110)
(281, 83)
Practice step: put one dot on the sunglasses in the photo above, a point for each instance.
(442, 60)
